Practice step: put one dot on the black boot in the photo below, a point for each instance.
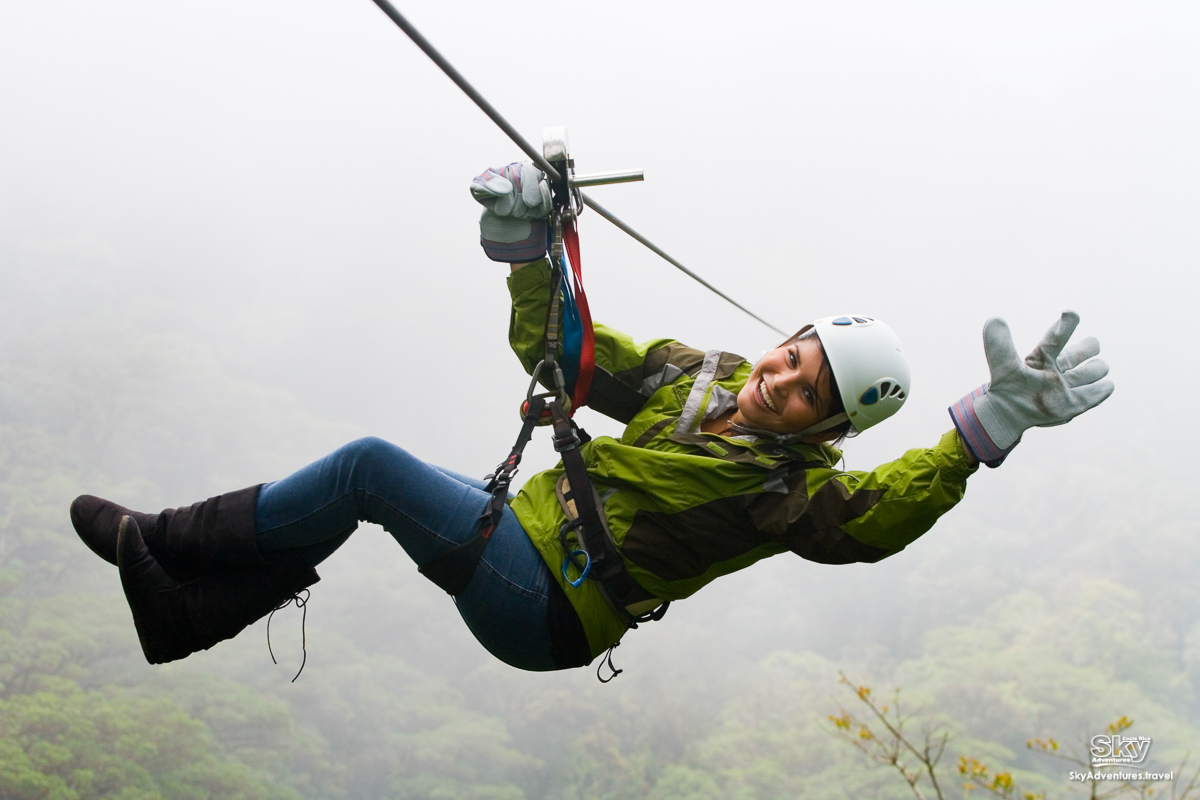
(187, 542)
(174, 619)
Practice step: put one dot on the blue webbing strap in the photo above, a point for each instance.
(572, 337)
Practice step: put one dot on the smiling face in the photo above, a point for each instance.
(788, 390)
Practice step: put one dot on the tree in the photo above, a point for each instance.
(881, 736)
(63, 743)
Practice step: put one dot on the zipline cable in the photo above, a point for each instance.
(537, 158)
(463, 84)
(608, 215)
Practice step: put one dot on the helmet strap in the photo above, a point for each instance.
(826, 424)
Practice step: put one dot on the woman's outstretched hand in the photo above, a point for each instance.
(1051, 386)
(516, 201)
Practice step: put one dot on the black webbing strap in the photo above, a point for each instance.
(616, 585)
(453, 569)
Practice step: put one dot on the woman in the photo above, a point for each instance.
(722, 463)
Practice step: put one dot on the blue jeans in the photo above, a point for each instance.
(513, 605)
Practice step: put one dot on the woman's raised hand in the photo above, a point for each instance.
(518, 190)
(1051, 386)
(516, 201)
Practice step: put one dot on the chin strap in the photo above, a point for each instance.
(824, 425)
(788, 438)
(771, 436)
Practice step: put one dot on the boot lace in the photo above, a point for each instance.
(302, 604)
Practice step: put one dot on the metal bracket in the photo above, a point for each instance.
(568, 200)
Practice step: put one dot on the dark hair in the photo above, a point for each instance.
(844, 430)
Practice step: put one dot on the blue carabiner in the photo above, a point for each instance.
(586, 568)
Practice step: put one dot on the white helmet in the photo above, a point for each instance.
(871, 371)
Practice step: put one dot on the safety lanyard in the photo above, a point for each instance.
(587, 350)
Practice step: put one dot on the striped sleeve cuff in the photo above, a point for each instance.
(971, 431)
(531, 248)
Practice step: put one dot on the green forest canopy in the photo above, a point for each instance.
(1009, 621)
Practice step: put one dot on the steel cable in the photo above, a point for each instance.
(537, 158)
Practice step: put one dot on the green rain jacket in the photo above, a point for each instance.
(687, 507)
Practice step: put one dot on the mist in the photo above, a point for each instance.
(234, 236)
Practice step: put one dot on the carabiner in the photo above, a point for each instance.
(586, 568)
(559, 389)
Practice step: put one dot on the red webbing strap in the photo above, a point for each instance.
(587, 349)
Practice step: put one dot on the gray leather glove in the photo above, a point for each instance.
(1054, 384)
(516, 201)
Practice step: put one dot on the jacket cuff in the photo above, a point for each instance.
(971, 431)
(953, 459)
(534, 275)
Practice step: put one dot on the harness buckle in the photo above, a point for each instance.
(567, 440)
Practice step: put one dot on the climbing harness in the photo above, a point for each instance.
(453, 569)
(588, 545)
(593, 541)
(587, 542)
